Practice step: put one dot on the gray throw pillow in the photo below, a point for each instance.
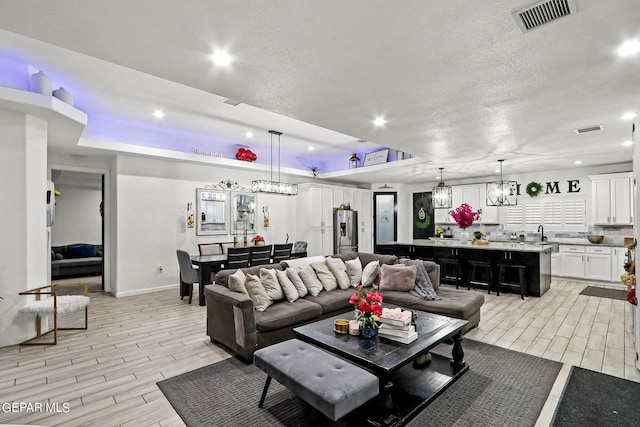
(370, 273)
(397, 277)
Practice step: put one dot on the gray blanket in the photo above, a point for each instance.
(423, 288)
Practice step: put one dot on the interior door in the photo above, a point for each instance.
(385, 213)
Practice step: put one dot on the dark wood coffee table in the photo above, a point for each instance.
(405, 388)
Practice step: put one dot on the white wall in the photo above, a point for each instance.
(77, 217)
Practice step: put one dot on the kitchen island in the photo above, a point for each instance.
(536, 257)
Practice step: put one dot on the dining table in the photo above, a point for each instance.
(207, 264)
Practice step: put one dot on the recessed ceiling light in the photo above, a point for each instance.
(577, 162)
(629, 48)
(628, 115)
(627, 143)
(221, 58)
(158, 114)
(379, 122)
(310, 148)
(249, 134)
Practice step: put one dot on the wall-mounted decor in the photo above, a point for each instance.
(211, 212)
(246, 155)
(534, 189)
(376, 158)
(423, 226)
(190, 219)
(354, 161)
(265, 214)
(227, 185)
(243, 213)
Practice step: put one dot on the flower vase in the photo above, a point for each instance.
(464, 236)
(368, 329)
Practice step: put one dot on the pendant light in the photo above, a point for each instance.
(441, 194)
(502, 193)
(274, 187)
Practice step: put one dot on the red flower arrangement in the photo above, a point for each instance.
(465, 216)
(258, 238)
(368, 303)
(246, 155)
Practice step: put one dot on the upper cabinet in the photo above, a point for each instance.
(475, 196)
(612, 199)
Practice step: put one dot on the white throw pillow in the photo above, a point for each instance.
(257, 293)
(354, 271)
(339, 270)
(290, 291)
(370, 273)
(293, 273)
(236, 282)
(271, 285)
(310, 280)
(325, 275)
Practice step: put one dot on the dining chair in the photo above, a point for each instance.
(299, 249)
(210, 248)
(237, 257)
(282, 252)
(260, 255)
(226, 245)
(188, 274)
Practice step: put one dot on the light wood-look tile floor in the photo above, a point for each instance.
(107, 375)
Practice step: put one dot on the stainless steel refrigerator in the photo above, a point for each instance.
(345, 231)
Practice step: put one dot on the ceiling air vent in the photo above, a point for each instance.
(230, 101)
(588, 129)
(542, 12)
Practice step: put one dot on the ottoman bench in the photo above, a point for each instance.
(326, 382)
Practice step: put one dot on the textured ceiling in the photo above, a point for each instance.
(458, 82)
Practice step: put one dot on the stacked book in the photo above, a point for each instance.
(395, 324)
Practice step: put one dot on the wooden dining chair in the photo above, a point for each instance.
(282, 252)
(237, 258)
(260, 255)
(188, 274)
(210, 248)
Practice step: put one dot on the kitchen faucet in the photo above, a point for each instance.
(543, 238)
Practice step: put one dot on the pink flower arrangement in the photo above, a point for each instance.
(246, 155)
(465, 216)
(258, 238)
(368, 302)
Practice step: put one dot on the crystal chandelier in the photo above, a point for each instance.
(274, 187)
(502, 193)
(441, 194)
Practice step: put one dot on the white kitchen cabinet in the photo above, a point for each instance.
(587, 262)
(556, 264)
(473, 195)
(363, 204)
(572, 260)
(598, 264)
(618, 259)
(612, 199)
(314, 222)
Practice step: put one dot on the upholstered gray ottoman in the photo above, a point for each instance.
(326, 382)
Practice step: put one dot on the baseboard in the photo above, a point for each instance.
(147, 290)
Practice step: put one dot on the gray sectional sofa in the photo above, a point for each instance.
(233, 322)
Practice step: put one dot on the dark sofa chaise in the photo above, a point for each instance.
(79, 259)
(233, 321)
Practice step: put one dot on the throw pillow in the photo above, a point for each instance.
(257, 293)
(293, 273)
(325, 275)
(271, 285)
(354, 271)
(339, 270)
(397, 277)
(290, 291)
(370, 273)
(236, 282)
(310, 280)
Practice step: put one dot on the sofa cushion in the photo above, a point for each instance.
(370, 273)
(354, 271)
(222, 276)
(335, 300)
(339, 270)
(257, 293)
(310, 280)
(288, 288)
(81, 251)
(366, 257)
(236, 282)
(325, 275)
(397, 277)
(453, 302)
(302, 262)
(287, 315)
(271, 284)
(293, 273)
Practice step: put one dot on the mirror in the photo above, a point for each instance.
(211, 212)
(243, 213)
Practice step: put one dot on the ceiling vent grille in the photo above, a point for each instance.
(543, 12)
(589, 129)
(230, 101)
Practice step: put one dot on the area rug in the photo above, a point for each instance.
(501, 388)
(594, 399)
(595, 291)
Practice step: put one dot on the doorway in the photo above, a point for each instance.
(385, 224)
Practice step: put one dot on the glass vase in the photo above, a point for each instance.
(368, 329)
(464, 236)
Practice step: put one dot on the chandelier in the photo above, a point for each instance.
(441, 194)
(502, 193)
(274, 187)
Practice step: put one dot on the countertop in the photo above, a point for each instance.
(495, 246)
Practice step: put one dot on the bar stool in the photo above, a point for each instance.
(476, 268)
(522, 282)
(450, 270)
